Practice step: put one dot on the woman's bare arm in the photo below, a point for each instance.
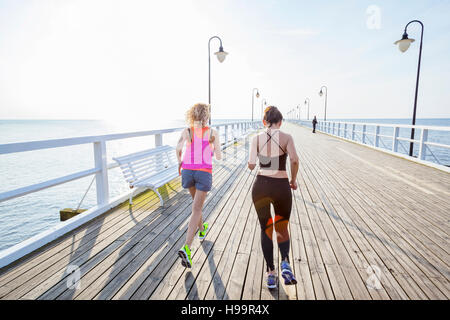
(252, 154)
(179, 148)
(216, 142)
(293, 157)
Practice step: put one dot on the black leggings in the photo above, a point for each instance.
(277, 191)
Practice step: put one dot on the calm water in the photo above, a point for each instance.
(27, 216)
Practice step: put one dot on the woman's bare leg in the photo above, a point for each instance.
(192, 191)
(196, 216)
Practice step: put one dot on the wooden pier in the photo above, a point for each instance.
(364, 225)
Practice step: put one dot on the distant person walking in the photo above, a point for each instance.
(196, 174)
(314, 123)
(272, 186)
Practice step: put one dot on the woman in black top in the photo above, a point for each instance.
(272, 186)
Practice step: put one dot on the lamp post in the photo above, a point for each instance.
(326, 95)
(253, 98)
(298, 111)
(221, 57)
(307, 99)
(263, 102)
(403, 45)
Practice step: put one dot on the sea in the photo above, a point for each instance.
(26, 216)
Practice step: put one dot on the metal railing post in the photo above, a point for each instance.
(101, 178)
(339, 129)
(363, 138)
(394, 139)
(345, 130)
(353, 132)
(218, 130)
(423, 146)
(158, 140)
(377, 137)
(226, 134)
(333, 127)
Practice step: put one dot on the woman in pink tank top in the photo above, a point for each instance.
(196, 170)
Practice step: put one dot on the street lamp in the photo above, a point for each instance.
(263, 102)
(298, 111)
(221, 57)
(253, 97)
(307, 99)
(326, 95)
(403, 45)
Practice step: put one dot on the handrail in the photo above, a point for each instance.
(56, 143)
(347, 130)
(101, 166)
(437, 128)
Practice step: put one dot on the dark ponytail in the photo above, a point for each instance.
(272, 115)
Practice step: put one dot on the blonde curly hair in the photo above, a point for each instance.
(198, 112)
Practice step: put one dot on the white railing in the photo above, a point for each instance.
(101, 166)
(387, 137)
(100, 170)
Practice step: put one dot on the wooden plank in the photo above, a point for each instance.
(299, 259)
(319, 276)
(253, 280)
(239, 273)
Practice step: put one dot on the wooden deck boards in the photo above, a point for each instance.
(356, 210)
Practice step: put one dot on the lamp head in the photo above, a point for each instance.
(257, 94)
(221, 54)
(404, 42)
(320, 93)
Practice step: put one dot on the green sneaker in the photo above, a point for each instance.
(202, 234)
(185, 255)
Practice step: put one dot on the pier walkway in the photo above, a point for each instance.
(364, 225)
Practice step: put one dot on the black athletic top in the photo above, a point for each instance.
(266, 162)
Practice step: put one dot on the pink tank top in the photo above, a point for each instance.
(198, 154)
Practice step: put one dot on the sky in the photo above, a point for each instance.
(148, 60)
